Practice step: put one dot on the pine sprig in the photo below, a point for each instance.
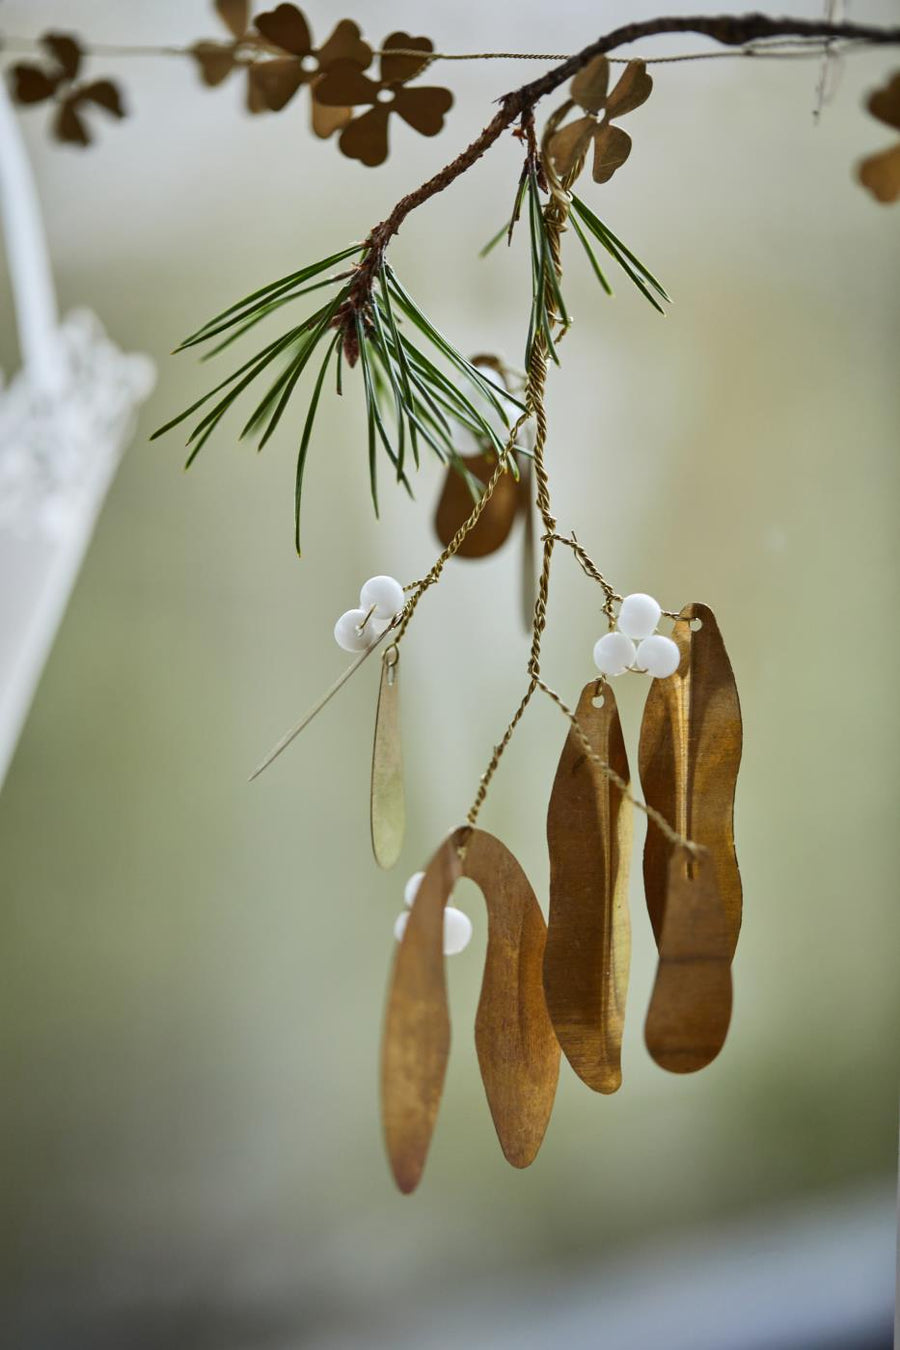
(418, 388)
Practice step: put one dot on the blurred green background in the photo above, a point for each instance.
(192, 969)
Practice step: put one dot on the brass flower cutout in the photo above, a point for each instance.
(278, 54)
(366, 137)
(58, 83)
(880, 173)
(590, 91)
(274, 82)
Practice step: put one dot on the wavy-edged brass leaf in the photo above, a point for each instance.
(455, 506)
(690, 1007)
(690, 752)
(517, 1051)
(586, 962)
(388, 804)
(416, 1040)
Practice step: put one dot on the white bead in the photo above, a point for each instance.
(614, 653)
(400, 923)
(385, 593)
(457, 929)
(659, 656)
(639, 615)
(347, 632)
(411, 889)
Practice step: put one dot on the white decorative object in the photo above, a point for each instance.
(658, 656)
(65, 419)
(655, 655)
(457, 929)
(357, 629)
(385, 593)
(638, 615)
(411, 889)
(614, 654)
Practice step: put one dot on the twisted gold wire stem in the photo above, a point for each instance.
(555, 214)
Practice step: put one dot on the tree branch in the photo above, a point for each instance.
(728, 30)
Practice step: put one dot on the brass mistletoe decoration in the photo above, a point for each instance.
(366, 137)
(58, 83)
(590, 91)
(880, 173)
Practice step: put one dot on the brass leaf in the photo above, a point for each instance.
(589, 828)
(66, 51)
(588, 89)
(690, 753)
(105, 94)
(455, 506)
(416, 1039)
(569, 145)
(345, 44)
(423, 109)
(31, 84)
(885, 102)
(881, 175)
(216, 61)
(388, 805)
(633, 88)
(69, 127)
(399, 69)
(235, 14)
(690, 1007)
(275, 82)
(612, 146)
(285, 27)
(365, 138)
(517, 1051)
(326, 121)
(345, 86)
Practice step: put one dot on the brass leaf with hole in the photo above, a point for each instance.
(589, 831)
(690, 753)
(455, 506)
(415, 1043)
(690, 1007)
(388, 805)
(517, 1050)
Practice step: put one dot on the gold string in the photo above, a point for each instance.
(774, 47)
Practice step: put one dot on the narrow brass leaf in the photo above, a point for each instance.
(517, 1051)
(589, 828)
(690, 752)
(388, 805)
(416, 1040)
(690, 1007)
(455, 507)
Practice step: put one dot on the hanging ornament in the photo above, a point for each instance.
(388, 805)
(517, 1051)
(589, 829)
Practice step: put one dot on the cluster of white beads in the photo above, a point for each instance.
(380, 601)
(457, 926)
(635, 643)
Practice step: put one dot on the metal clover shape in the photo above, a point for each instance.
(37, 84)
(590, 90)
(274, 82)
(880, 173)
(366, 137)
